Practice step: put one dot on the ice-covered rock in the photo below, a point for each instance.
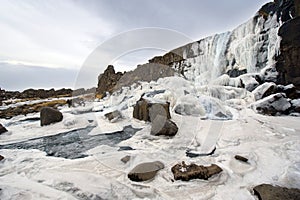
(214, 108)
(189, 105)
(296, 105)
(264, 90)
(272, 105)
(113, 116)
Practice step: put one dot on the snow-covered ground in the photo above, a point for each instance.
(272, 145)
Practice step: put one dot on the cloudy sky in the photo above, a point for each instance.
(46, 43)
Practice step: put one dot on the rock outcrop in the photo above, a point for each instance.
(2, 129)
(270, 192)
(147, 111)
(187, 172)
(145, 171)
(49, 115)
(107, 81)
(288, 62)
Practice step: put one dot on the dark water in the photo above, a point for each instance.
(73, 144)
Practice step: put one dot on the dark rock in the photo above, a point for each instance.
(125, 148)
(191, 154)
(1, 157)
(290, 91)
(2, 129)
(147, 111)
(282, 8)
(297, 8)
(236, 73)
(187, 172)
(241, 158)
(113, 116)
(288, 62)
(168, 58)
(107, 81)
(125, 159)
(163, 126)
(145, 171)
(50, 115)
(269, 192)
(272, 105)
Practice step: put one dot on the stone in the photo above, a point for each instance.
(272, 105)
(186, 172)
(147, 111)
(1, 157)
(163, 126)
(113, 116)
(241, 158)
(2, 129)
(145, 171)
(107, 81)
(125, 159)
(270, 192)
(50, 115)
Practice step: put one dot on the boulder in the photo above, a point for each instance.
(50, 115)
(295, 105)
(264, 90)
(113, 116)
(163, 126)
(290, 91)
(2, 129)
(241, 158)
(145, 171)
(187, 172)
(270, 192)
(272, 105)
(147, 111)
(1, 157)
(249, 82)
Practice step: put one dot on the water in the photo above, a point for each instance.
(73, 144)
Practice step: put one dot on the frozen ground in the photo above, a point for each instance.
(272, 145)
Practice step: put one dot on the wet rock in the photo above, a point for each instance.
(125, 159)
(236, 72)
(272, 105)
(187, 172)
(163, 126)
(113, 116)
(269, 192)
(1, 157)
(241, 158)
(50, 115)
(147, 111)
(145, 171)
(2, 129)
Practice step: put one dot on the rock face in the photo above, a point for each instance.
(187, 172)
(49, 115)
(272, 105)
(108, 80)
(163, 126)
(147, 111)
(145, 171)
(2, 129)
(269, 192)
(288, 64)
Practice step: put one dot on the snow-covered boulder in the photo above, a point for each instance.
(264, 90)
(249, 82)
(113, 116)
(296, 105)
(214, 108)
(272, 105)
(189, 105)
